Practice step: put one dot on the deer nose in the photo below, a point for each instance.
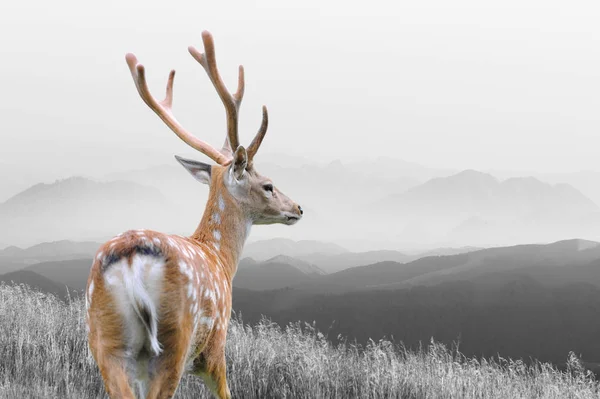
(300, 210)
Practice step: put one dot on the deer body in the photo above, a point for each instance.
(158, 305)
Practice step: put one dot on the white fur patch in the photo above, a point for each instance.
(133, 287)
(185, 269)
(207, 321)
(216, 218)
(217, 235)
(248, 228)
(90, 292)
(221, 203)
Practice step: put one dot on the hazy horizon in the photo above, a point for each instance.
(510, 86)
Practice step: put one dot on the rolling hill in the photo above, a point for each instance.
(267, 249)
(38, 282)
(278, 272)
(73, 273)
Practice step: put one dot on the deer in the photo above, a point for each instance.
(158, 305)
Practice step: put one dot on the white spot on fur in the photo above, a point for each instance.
(156, 240)
(221, 203)
(217, 235)
(182, 266)
(217, 246)
(216, 218)
(190, 290)
(91, 291)
(207, 321)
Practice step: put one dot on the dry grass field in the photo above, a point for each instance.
(44, 354)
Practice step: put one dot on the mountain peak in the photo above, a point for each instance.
(303, 266)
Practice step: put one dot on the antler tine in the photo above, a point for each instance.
(260, 135)
(164, 110)
(231, 102)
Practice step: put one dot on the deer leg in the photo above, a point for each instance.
(170, 364)
(214, 375)
(165, 382)
(116, 379)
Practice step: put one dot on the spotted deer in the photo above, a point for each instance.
(158, 305)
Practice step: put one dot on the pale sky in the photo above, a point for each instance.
(511, 85)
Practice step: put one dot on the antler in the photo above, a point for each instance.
(164, 110)
(260, 135)
(231, 102)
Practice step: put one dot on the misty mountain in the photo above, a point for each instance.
(472, 193)
(278, 272)
(55, 249)
(475, 208)
(267, 249)
(81, 208)
(586, 181)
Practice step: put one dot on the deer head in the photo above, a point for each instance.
(234, 173)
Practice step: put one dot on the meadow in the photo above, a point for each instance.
(44, 354)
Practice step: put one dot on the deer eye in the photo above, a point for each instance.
(268, 187)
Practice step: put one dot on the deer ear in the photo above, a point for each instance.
(240, 161)
(201, 171)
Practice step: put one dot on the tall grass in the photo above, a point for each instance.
(44, 354)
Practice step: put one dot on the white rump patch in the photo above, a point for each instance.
(136, 289)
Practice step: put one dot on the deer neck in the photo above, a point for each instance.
(223, 227)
